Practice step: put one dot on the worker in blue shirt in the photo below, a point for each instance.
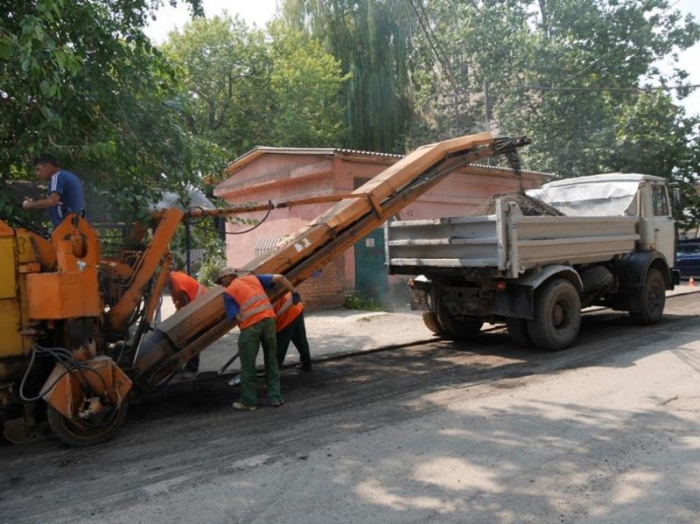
(65, 194)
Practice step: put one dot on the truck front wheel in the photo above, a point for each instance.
(557, 316)
(652, 299)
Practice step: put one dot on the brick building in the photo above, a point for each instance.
(283, 174)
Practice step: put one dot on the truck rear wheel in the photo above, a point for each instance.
(431, 322)
(652, 299)
(458, 328)
(76, 435)
(557, 316)
(519, 335)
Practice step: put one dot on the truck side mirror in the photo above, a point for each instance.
(676, 198)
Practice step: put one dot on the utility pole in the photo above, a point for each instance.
(487, 106)
(487, 111)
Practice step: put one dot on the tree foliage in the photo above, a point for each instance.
(306, 83)
(372, 41)
(246, 87)
(80, 79)
(225, 69)
(574, 75)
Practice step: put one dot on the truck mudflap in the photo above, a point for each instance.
(517, 300)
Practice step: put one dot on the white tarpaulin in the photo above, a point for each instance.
(593, 197)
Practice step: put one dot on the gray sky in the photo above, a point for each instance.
(259, 12)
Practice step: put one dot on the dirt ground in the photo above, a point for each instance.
(607, 431)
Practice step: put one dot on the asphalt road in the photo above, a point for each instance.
(607, 431)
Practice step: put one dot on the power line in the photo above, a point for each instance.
(432, 41)
(627, 89)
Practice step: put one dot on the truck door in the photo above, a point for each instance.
(659, 230)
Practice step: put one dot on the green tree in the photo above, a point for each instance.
(226, 71)
(573, 75)
(248, 88)
(81, 80)
(547, 64)
(654, 136)
(460, 49)
(372, 41)
(577, 51)
(306, 84)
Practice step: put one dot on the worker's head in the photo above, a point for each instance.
(226, 275)
(45, 166)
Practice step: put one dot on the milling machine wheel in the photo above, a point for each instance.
(77, 436)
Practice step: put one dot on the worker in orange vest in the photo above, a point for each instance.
(246, 301)
(183, 290)
(290, 327)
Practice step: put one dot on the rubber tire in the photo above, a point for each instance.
(559, 296)
(431, 322)
(75, 436)
(458, 329)
(652, 299)
(518, 332)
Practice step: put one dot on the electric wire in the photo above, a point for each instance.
(440, 55)
(205, 228)
(66, 359)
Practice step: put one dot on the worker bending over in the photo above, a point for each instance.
(290, 327)
(247, 302)
(183, 290)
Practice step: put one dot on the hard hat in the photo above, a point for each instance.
(224, 273)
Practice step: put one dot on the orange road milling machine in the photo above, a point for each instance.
(76, 334)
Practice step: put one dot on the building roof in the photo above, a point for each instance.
(364, 156)
(252, 155)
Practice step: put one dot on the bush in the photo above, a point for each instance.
(362, 303)
(209, 268)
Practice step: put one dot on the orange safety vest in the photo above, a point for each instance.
(286, 311)
(180, 282)
(253, 303)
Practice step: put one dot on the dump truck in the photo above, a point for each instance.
(77, 340)
(613, 244)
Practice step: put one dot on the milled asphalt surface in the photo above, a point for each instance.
(475, 432)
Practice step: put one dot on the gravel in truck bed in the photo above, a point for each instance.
(528, 205)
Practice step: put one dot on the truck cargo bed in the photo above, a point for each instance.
(506, 241)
